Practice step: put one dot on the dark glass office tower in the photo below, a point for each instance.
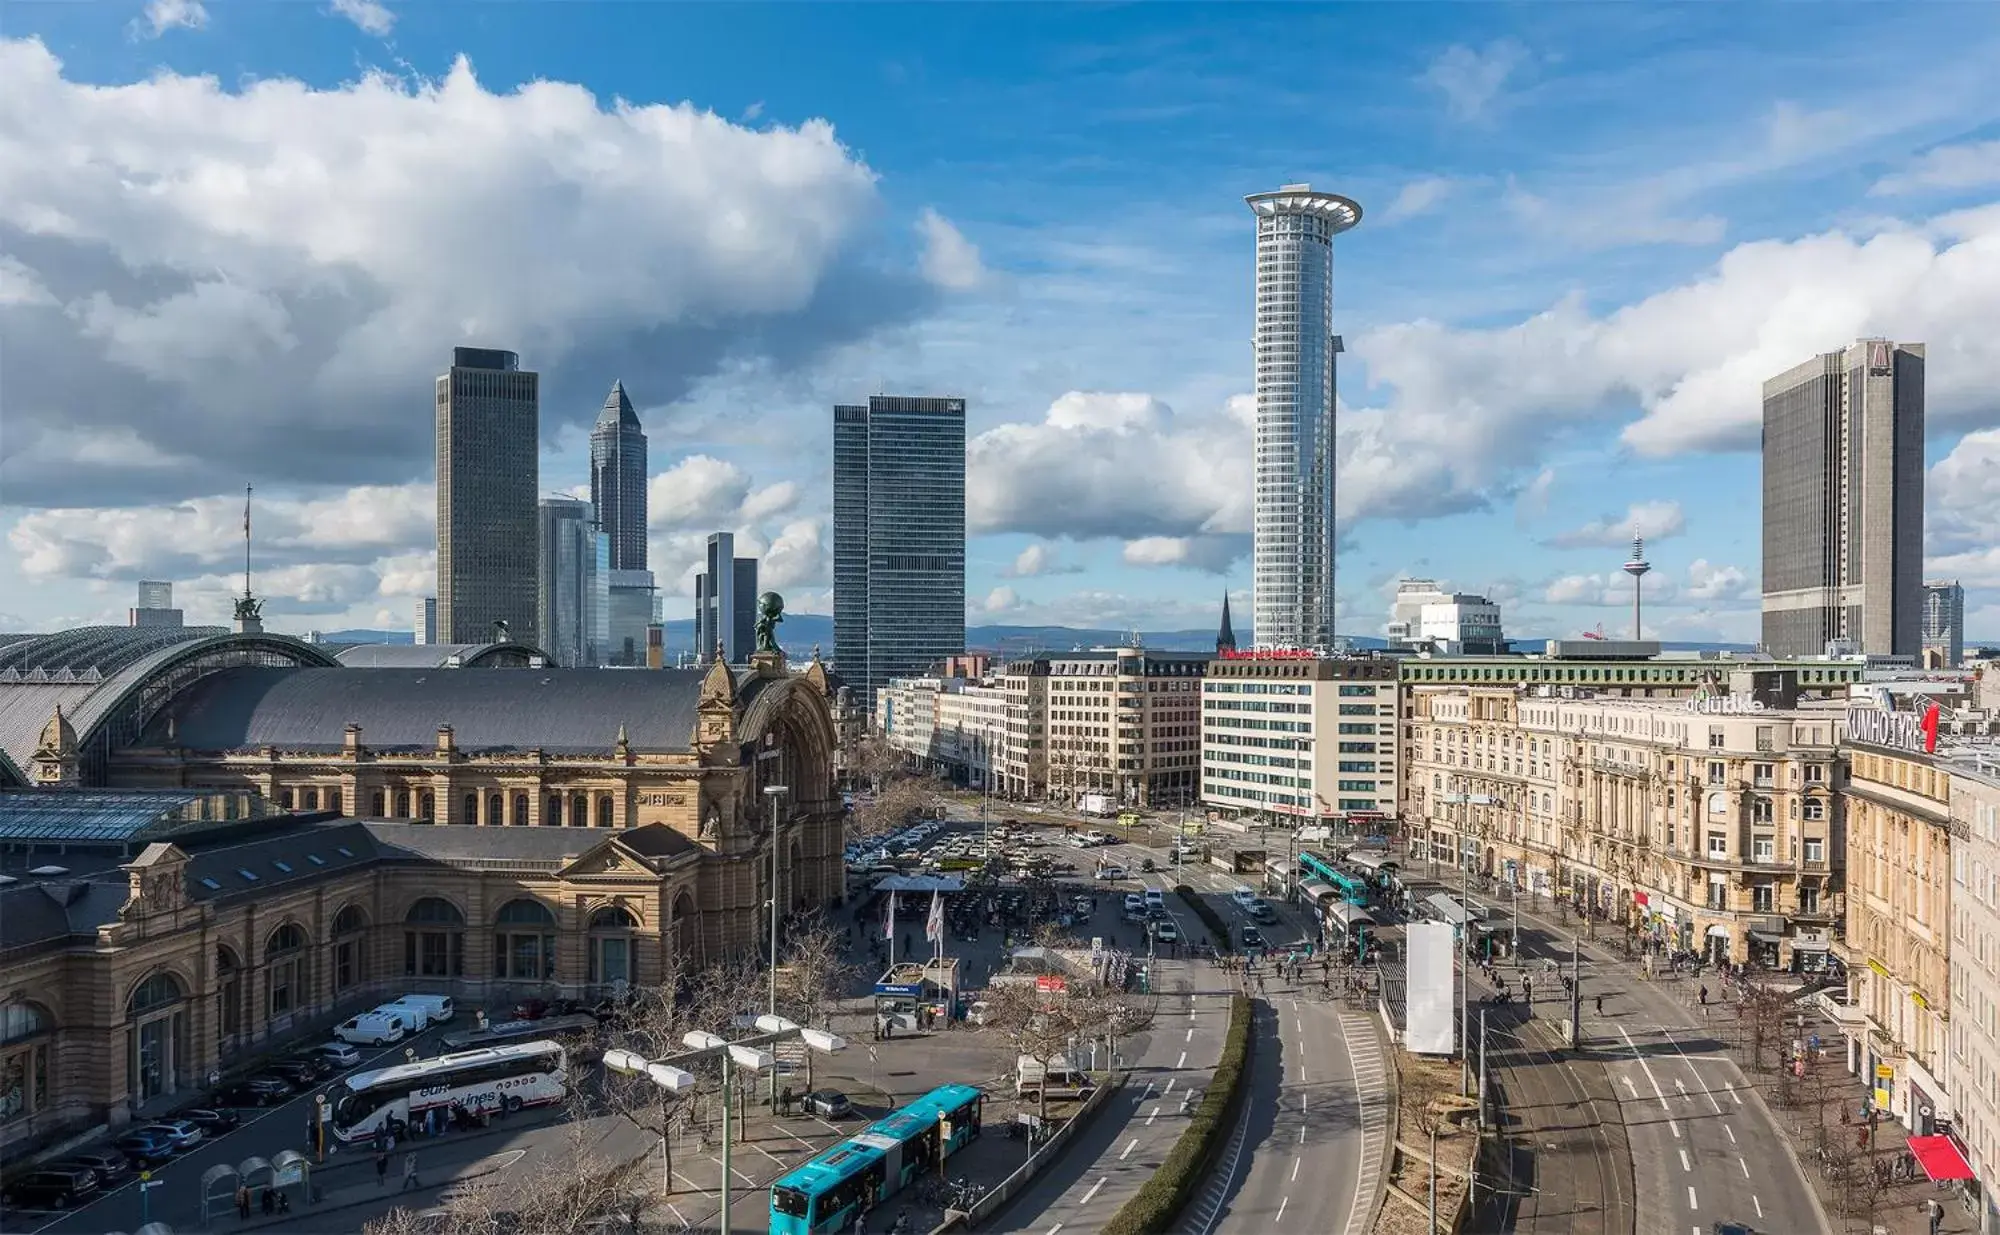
(898, 538)
(618, 479)
(488, 481)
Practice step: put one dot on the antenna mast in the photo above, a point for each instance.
(246, 541)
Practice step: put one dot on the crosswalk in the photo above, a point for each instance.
(1371, 1084)
(1199, 1218)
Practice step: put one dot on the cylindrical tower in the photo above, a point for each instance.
(1293, 528)
(1637, 568)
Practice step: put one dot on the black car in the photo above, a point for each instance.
(300, 1073)
(108, 1165)
(321, 1066)
(257, 1091)
(212, 1121)
(1253, 938)
(57, 1187)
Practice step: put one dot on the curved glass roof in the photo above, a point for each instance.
(90, 653)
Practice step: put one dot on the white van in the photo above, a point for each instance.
(1155, 899)
(373, 1029)
(436, 1009)
(1058, 1078)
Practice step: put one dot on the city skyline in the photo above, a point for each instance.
(1547, 350)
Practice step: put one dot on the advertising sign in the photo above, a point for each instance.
(1911, 731)
(1431, 1000)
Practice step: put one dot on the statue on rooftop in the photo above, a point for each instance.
(770, 612)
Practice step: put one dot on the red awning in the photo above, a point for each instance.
(1941, 1157)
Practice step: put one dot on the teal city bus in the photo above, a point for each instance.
(828, 1191)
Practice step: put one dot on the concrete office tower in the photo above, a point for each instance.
(1293, 526)
(1944, 622)
(488, 477)
(898, 539)
(725, 603)
(618, 479)
(425, 630)
(1844, 502)
(155, 605)
(572, 580)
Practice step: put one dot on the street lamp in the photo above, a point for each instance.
(774, 792)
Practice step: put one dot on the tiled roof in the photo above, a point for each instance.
(576, 711)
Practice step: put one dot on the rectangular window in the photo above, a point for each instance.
(1815, 849)
(1763, 898)
(1718, 845)
(1808, 899)
(1765, 849)
(1815, 809)
(1760, 774)
(1365, 692)
(1718, 772)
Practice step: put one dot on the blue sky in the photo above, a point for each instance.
(1590, 231)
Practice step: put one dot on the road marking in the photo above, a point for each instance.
(1746, 1167)
(1647, 1069)
(1295, 1164)
(1282, 1202)
(691, 1185)
(1129, 1147)
(678, 1215)
(1302, 1136)
(1052, 1230)
(1170, 1086)
(733, 1171)
(1683, 1085)
(1630, 1086)
(1691, 1202)
(1190, 1035)
(1675, 1124)
(1759, 1204)
(1302, 1071)
(1093, 1189)
(1155, 1114)
(1732, 1133)
(1707, 1090)
(768, 1154)
(1182, 1061)
(1148, 1093)
(1686, 1164)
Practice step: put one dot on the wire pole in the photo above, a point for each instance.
(1482, 1067)
(1575, 994)
(1434, 1182)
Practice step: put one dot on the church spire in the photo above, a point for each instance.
(1225, 637)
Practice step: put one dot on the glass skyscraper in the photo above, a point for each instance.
(488, 477)
(1293, 526)
(898, 538)
(618, 479)
(572, 583)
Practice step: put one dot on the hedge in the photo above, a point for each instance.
(1217, 928)
(1154, 1207)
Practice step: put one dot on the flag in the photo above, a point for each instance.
(934, 929)
(246, 512)
(889, 919)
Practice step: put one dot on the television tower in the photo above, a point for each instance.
(1637, 568)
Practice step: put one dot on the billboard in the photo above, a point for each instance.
(1431, 1004)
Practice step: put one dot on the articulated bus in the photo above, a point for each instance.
(498, 1078)
(828, 1191)
(1352, 888)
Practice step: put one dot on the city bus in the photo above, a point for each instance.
(494, 1078)
(1352, 889)
(828, 1191)
(573, 1028)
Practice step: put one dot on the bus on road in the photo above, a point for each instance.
(828, 1191)
(496, 1078)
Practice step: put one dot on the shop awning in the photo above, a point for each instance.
(1766, 936)
(1941, 1157)
(1811, 945)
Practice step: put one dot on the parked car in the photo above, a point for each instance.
(372, 1029)
(146, 1148)
(340, 1054)
(1110, 872)
(56, 1187)
(829, 1104)
(108, 1165)
(185, 1133)
(1166, 932)
(211, 1120)
(301, 1073)
(257, 1091)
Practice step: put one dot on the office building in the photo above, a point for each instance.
(1423, 615)
(1974, 1100)
(1124, 722)
(1292, 552)
(632, 598)
(488, 478)
(618, 479)
(898, 539)
(572, 608)
(1944, 624)
(725, 603)
(954, 727)
(1300, 737)
(425, 631)
(1844, 502)
(155, 605)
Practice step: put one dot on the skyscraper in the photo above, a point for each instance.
(1292, 533)
(572, 592)
(898, 538)
(488, 475)
(425, 628)
(1844, 502)
(155, 605)
(618, 479)
(725, 603)
(1944, 620)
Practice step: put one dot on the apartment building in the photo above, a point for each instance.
(1901, 875)
(1973, 1083)
(955, 727)
(1300, 735)
(1710, 823)
(1125, 722)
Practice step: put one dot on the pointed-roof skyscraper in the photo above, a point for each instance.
(1225, 637)
(618, 479)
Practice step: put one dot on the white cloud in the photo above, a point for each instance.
(1653, 520)
(797, 557)
(371, 16)
(1706, 582)
(1038, 559)
(1962, 495)
(1972, 165)
(699, 493)
(164, 15)
(999, 601)
(752, 112)
(947, 259)
(1112, 465)
(1532, 502)
(1420, 196)
(1471, 79)
(221, 242)
(1214, 554)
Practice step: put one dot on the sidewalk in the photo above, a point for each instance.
(1819, 1114)
(370, 1191)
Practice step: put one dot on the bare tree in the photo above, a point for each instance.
(897, 803)
(1040, 1025)
(814, 977)
(1760, 1014)
(875, 759)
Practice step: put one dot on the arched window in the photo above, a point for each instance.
(156, 1045)
(426, 805)
(552, 811)
(611, 946)
(604, 809)
(312, 799)
(434, 939)
(350, 947)
(402, 803)
(333, 801)
(378, 806)
(496, 810)
(229, 990)
(520, 819)
(285, 798)
(470, 809)
(285, 971)
(579, 810)
(524, 943)
(24, 1060)
(160, 990)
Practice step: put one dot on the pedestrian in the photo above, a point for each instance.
(1702, 994)
(381, 1170)
(410, 1172)
(1600, 1005)
(243, 1202)
(268, 1202)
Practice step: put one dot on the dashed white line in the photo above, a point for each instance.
(1182, 1061)
(1746, 1167)
(1295, 1168)
(1129, 1147)
(1732, 1133)
(1093, 1189)
(1152, 1115)
(1691, 1201)
(1052, 1230)
(1686, 1163)
(1282, 1202)
(1190, 1036)
(1759, 1204)
(1170, 1086)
